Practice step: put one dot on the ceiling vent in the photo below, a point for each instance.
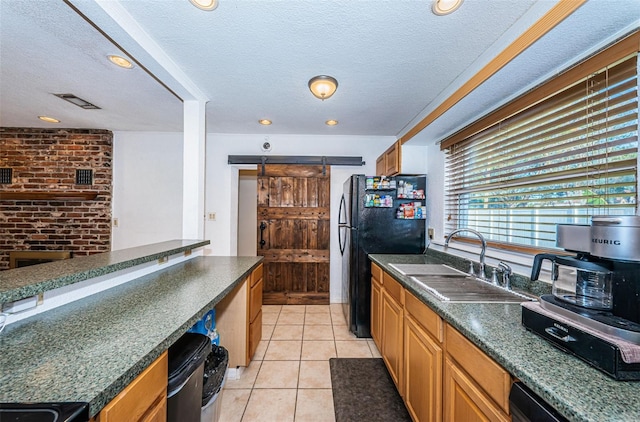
(78, 101)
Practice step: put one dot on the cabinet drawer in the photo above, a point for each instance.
(141, 396)
(428, 319)
(255, 300)
(376, 272)
(256, 275)
(491, 377)
(393, 288)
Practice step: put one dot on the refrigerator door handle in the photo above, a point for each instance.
(343, 208)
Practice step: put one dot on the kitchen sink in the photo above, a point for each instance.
(427, 269)
(468, 290)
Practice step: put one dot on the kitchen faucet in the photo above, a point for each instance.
(482, 251)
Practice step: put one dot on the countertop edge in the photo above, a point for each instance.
(100, 401)
(34, 288)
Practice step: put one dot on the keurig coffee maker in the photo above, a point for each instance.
(594, 309)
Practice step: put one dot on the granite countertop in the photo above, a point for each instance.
(575, 389)
(90, 349)
(20, 283)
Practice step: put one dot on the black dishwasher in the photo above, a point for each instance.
(526, 406)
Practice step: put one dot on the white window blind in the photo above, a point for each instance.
(561, 160)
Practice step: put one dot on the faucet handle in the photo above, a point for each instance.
(506, 274)
(472, 271)
(494, 277)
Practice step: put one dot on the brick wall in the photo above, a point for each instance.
(45, 160)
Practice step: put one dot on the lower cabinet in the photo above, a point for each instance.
(144, 399)
(392, 335)
(423, 373)
(376, 298)
(464, 401)
(440, 374)
(239, 319)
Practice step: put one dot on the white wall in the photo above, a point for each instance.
(222, 181)
(147, 188)
(247, 212)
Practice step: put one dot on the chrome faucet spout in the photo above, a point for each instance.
(483, 249)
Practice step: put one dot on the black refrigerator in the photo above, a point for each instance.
(377, 214)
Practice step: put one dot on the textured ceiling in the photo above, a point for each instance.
(252, 59)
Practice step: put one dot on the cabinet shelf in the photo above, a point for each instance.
(48, 196)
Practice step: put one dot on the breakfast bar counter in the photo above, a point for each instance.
(575, 389)
(90, 349)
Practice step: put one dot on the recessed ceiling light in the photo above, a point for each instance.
(265, 122)
(444, 7)
(205, 4)
(331, 122)
(48, 119)
(120, 61)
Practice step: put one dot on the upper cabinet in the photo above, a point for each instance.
(398, 158)
(388, 164)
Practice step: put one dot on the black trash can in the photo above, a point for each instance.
(215, 368)
(186, 372)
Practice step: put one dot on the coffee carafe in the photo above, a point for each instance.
(586, 281)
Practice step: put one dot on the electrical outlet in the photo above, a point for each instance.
(115, 222)
(430, 232)
(211, 216)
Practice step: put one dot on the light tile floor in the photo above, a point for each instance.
(289, 378)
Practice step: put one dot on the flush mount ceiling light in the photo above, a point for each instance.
(48, 119)
(323, 86)
(78, 101)
(444, 7)
(120, 61)
(265, 122)
(331, 122)
(205, 4)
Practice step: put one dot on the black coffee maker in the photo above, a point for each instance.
(595, 298)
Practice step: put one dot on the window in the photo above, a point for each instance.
(558, 155)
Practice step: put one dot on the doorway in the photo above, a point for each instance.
(247, 212)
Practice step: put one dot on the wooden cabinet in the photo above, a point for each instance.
(144, 399)
(376, 303)
(255, 311)
(439, 373)
(391, 318)
(423, 357)
(381, 165)
(476, 387)
(388, 164)
(239, 319)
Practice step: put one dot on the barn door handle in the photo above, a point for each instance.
(263, 226)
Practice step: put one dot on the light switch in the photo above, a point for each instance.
(115, 222)
(211, 216)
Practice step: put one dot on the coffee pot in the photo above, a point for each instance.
(604, 274)
(587, 281)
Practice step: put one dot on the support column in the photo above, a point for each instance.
(193, 162)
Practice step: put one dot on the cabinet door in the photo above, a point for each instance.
(392, 337)
(143, 399)
(392, 159)
(465, 401)
(376, 303)
(423, 373)
(381, 168)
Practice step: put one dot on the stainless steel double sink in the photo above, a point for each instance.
(454, 286)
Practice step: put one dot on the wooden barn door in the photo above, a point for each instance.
(293, 233)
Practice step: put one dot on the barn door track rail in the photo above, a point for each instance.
(296, 159)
